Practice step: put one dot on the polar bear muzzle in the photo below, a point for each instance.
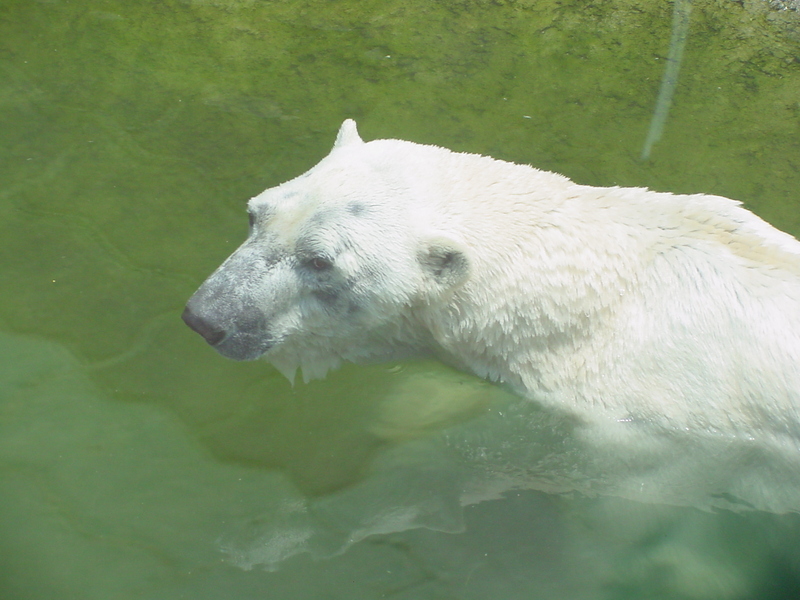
(244, 339)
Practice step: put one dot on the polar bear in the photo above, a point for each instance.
(620, 304)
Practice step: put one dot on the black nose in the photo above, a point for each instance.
(212, 334)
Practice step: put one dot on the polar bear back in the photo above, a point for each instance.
(680, 309)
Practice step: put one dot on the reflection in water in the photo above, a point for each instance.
(515, 446)
(682, 9)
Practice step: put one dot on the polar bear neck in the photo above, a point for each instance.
(507, 323)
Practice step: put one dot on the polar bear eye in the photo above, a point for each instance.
(319, 264)
(251, 218)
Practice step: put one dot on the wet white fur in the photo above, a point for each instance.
(613, 303)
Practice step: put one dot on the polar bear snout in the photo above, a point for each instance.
(211, 332)
(239, 331)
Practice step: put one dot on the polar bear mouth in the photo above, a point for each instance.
(243, 346)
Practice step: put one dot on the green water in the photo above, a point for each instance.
(135, 463)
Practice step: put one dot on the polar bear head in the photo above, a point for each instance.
(337, 265)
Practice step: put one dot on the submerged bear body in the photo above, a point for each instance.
(610, 303)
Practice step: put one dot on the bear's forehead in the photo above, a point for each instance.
(302, 206)
(284, 210)
(289, 213)
(346, 193)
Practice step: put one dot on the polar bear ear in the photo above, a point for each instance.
(348, 134)
(445, 264)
